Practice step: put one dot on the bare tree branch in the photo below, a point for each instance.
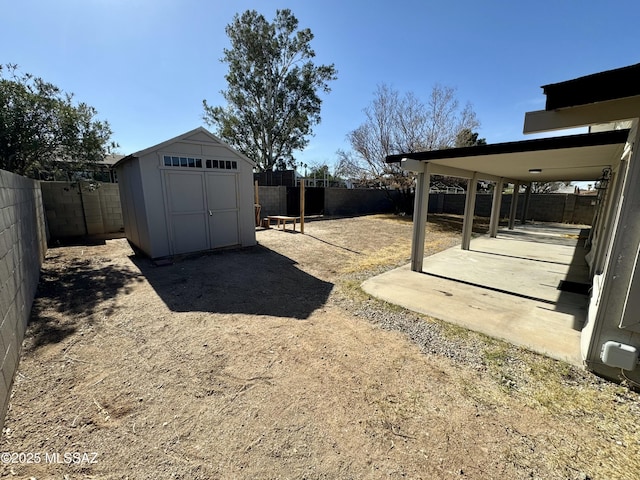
(397, 123)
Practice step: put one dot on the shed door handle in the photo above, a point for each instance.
(210, 213)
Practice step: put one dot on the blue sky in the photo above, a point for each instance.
(146, 65)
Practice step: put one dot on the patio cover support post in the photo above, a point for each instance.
(420, 207)
(469, 208)
(496, 203)
(514, 205)
(525, 207)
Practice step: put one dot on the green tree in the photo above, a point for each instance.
(43, 132)
(396, 123)
(273, 85)
(468, 138)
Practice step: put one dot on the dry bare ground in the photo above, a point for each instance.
(269, 362)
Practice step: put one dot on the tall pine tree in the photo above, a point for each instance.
(273, 89)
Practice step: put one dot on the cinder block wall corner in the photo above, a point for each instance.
(23, 245)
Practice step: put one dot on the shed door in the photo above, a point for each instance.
(222, 205)
(187, 213)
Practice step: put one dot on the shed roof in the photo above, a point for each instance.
(184, 136)
(572, 157)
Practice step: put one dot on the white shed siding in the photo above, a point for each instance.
(246, 193)
(185, 211)
(170, 211)
(132, 201)
(154, 205)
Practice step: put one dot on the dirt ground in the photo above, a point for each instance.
(268, 362)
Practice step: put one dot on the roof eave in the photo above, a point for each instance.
(539, 144)
(598, 87)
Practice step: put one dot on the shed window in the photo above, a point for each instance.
(223, 164)
(191, 162)
(184, 162)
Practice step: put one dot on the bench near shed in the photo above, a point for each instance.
(281, 220)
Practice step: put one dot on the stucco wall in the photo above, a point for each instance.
(74, 209)
(23, 244)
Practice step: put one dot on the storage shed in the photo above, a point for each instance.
(188, 194)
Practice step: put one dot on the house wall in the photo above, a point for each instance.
(614, 311)
(76, 209)
(23, 244)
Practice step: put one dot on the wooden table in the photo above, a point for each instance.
(282, 220)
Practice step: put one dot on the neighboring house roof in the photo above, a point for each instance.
(112, 159)
(571, 157)
(108, 160)
(184, 136)
(602, 86)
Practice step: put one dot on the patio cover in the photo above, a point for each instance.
(567, 158)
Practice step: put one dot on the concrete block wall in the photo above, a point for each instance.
(77, 209)
(273, 200)
(23, 245)
(548, 207)
(63, 209)
(567, 208)
(343, 201)
(337, 201)
(584, 210)
(454, 203)
(543, 207)
(91, 209)
(111, 208)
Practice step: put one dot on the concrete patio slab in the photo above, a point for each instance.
(504, 287)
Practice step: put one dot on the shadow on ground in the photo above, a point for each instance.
(253, 281)
(71, 287)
